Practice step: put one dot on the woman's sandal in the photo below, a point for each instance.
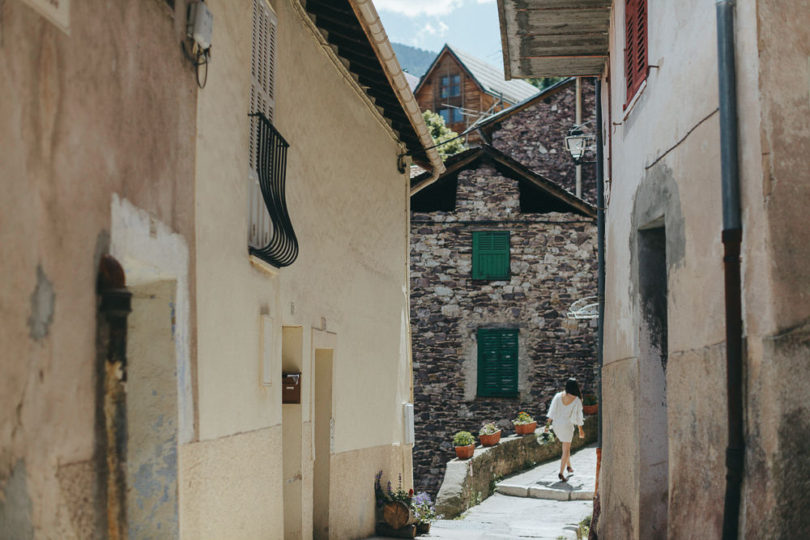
(570, 469)
(562, 478)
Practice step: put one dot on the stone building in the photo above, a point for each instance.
(498, 255)
(160, 272)
(707, 287)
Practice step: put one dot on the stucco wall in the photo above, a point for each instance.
(80, 123)
(553, 264)
(348, 206)
(665, 162)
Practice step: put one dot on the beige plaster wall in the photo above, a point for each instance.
(80, 123)
(347, 291)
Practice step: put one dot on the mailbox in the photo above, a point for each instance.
(291, 387)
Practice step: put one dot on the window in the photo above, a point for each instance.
(262, 71)
(451, 86)
(490, 255)
(451, 115)
(497, 362)
(635, 51)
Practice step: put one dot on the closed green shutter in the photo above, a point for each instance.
(490, 259)
(497, 362)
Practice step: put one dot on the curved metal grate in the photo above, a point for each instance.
(271, 166)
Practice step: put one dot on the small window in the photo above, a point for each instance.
(450, 86)
(635, 45)
(445, 114)
(490, 255)
(497, 362)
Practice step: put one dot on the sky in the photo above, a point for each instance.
(470, 25)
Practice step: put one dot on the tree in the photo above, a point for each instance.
(441, 133)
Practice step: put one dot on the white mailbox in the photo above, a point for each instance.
(407, 414)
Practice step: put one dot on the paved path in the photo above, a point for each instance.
(503, 516)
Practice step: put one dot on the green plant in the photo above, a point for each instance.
(388, 495)
(589, 399)
(489, 429)
(447, 140)
(463, 438)
(523, 418)
(584, 528)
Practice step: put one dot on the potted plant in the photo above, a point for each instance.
(524, 423)
(425, 512)
(489, 434)
(590, 405)
(396, 505)
(465, 444)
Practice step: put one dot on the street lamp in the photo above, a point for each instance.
(576, 142)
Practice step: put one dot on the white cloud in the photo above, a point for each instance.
(437, 28)
(485, 1)
(414, 8)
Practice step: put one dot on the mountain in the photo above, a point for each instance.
(414, 61)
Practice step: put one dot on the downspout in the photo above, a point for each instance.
(732, 239)
(600, 235)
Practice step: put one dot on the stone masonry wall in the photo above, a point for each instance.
(535, 137)
(553, 264)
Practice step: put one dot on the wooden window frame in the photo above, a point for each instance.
(636, 47)
(498, 380)
(478, 273)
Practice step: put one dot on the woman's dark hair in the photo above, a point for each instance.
(572, 388)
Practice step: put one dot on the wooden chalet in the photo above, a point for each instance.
(464, 89)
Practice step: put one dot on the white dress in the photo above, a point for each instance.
(565, 417)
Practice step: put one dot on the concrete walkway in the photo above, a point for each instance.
(543, 508)
(542, 482)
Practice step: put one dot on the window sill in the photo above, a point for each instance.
(263, 266)
(628, 108)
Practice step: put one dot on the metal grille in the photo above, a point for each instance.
(271, 165)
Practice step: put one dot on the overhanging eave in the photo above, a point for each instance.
(554, 38)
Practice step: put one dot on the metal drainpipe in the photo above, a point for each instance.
(732, 239)
(600, 235)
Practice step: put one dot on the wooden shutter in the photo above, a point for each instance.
(635, 51)
(497, 362)
(262, 92)
(490, 255)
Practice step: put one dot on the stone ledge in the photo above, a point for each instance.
(468, 482)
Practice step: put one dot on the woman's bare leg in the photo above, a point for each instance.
(566, 456)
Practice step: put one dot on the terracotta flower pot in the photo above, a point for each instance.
(525, 429)
(490, 440)
(465, 452)
(422, 527)
(590, 409)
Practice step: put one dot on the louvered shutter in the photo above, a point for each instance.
(497, 362)
(490, 255)
(262, 77)
(635, 52)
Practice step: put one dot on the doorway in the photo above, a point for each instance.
(292, 343)
(323, 432)
(653, 429)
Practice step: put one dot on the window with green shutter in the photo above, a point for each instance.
(497, 362)
(490, 255)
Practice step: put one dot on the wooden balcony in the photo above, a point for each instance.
(554, 38)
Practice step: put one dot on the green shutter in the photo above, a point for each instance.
(490, 259)
(497, 362)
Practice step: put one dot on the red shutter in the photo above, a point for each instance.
(635, 52)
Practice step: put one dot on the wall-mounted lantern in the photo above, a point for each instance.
(576, 143)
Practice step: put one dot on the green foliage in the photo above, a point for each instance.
(441, 133)
(489, 429)
(584, 528)
(423, 508)
(544, 82)
(523, 418)
(589, 399)
(463, 438)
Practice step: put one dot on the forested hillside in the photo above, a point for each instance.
(414, 61)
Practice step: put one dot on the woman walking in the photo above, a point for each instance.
(565, 413)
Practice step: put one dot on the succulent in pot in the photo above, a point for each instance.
(590, 404)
